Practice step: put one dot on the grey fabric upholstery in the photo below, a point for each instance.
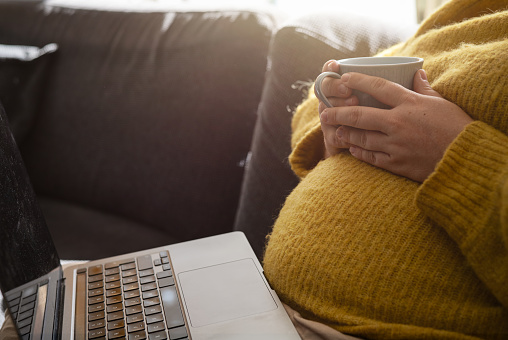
(147, 116)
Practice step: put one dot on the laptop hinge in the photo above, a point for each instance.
(59, 307)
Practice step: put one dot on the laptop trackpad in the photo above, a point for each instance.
(224, 292)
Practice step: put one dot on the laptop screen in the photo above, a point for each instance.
(27, 251)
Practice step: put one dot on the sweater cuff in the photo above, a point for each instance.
(464, 188)
(308, 151)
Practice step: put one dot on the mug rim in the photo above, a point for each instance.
(360, 61)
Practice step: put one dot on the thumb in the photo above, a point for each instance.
(421, 84)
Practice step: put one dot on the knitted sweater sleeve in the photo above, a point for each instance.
(307, 138)
(467, 195)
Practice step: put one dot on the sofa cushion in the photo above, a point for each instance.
(298, 52)
(147, 115)
(94, 234)
(22, 74)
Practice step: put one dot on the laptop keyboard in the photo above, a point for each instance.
(133, 299)
(22, 308)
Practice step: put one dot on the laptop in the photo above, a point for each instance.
(210, 288)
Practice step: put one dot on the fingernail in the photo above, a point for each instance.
(324, 117)
(331, 64)
(342, 89)
(423, 74)
(340, 133)
(349, 101)
(345, 77)
(352, 150)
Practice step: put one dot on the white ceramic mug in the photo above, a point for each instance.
(400, 70)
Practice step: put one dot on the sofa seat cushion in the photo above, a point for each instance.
(82, 233)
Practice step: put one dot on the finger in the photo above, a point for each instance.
(332, 87)
(365, 139)
(421, 85)
(385, 91)
(331, 66)
(378, 159)
(361, 117)
(337, 102)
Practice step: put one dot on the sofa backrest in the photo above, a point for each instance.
(148, 115)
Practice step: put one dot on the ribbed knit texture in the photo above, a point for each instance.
(379, 256)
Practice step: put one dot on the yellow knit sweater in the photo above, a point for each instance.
(379, 256)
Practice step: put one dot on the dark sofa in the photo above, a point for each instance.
(149, 127)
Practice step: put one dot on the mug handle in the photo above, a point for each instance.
(317, 86)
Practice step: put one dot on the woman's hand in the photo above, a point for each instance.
(408, 140)
(339, 95)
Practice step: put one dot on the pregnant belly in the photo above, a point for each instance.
(351, 242)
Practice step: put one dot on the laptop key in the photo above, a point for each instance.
(96, 316)
(96, 333)
(113, 285)
(116, 324)
(178, 333)
(25, 330)
(131, 294)
(163, 274)
(128, 273)
(158, 336)
(150, 294)
(114, 299)
(112, 271)
(154, 318)
(141, 335)
(27, 314)
(167, 281)
(148, 286)
(156, 327)
(95, 292)
(135, 318)
(114, 308)
(132, 302)
(24, 323)
(136, 327)
(129, 266)
(153, 309)
(144, 262)
(95, 278)
(171, 304)
(147, 279)
(130, 286)
(94, 270)
(117, 263)
(113, 292)
(143, 273)
(111, 278)
(151, 302)
(115, 316)
(28, 306)
(129, 279)
(96, 308)
(95, 285)
(133, 310)
(96, 324)
(30, 291)
(117, 333)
